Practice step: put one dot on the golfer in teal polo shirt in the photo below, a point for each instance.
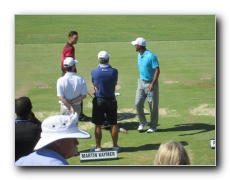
(149, 69)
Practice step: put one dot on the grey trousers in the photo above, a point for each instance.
(141, 94)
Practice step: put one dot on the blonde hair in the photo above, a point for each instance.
(171, 153)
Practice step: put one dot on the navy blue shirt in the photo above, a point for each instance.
(27, 134)
(104, 77)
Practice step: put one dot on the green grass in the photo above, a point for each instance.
(51, 29)
(185, 47)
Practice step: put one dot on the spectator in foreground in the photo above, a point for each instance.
(171, 153)
(57, 143)
(27, 127)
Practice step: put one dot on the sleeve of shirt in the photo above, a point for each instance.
(155, 62)
(84, 87)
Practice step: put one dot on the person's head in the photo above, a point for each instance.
(139, 43)
(103, 57)
(60, 134)
(23, 107)
(73, 37)
(171, 153)
(69, 64)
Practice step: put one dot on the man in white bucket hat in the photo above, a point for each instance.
(57, 143)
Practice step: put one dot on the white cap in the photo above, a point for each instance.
(103, 55)
(139, 41)
(59, 127)
(69, 61)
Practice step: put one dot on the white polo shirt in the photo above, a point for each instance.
(71, 86)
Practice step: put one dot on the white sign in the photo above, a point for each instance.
(98, 155)
(213, 143)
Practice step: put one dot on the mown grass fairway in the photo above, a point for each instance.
(185, 47)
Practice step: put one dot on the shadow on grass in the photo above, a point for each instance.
(146, 147)
(124, 115)
(129, 125)
(202, 127)
(127, 115)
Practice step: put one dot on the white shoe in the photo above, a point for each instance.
(142, 127)
(95, 149)
(151, 130)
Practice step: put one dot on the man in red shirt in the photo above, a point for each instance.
(69, 51)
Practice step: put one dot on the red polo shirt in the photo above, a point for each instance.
(68, 51)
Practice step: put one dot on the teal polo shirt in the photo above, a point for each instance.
(147, 62)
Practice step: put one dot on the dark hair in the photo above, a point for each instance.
(143, 47)
(103, 61)
(71, 33)
(23, 107)
(67, 68)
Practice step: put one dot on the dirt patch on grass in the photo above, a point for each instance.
(43, 115)
(21, 92)
(42, 86)
(82, 125)
(85, 125)
(128, 110)
(170, 82)
(107, 145)
(203, 110)
(167, 112)
(206, 84)
(130, 114)
(118, 87)
(200, 83)
(205, 78)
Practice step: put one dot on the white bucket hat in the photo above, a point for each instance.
(139, 41)
(60, 127)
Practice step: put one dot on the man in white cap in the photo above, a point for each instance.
(104, 79)
(71, 88)
(149, 69)
(57, 143)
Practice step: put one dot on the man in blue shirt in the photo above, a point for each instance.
(104, 79)
(57, 143)
(149, 69)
